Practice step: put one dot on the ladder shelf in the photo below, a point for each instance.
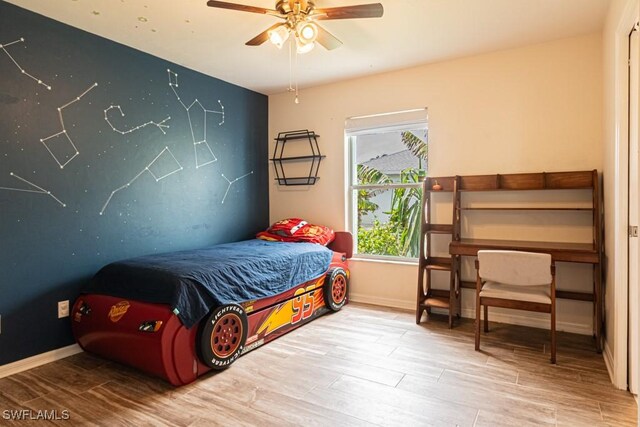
(428, 297)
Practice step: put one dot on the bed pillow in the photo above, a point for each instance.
(287, 227)
(297, 230)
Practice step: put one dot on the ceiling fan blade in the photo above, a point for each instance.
(373, 10)
(241, 7)
(262, 37)
(326, 39)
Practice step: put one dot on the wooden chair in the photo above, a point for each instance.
(518, 280)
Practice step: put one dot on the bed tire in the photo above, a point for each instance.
(336, 288)
(222, 336)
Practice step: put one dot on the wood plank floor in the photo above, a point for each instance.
(361, 366)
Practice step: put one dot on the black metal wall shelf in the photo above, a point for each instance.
(279, 159)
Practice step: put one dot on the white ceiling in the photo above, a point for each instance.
(411, 32)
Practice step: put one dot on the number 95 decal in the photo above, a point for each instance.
(302, 305)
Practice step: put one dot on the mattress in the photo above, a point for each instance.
(194, 281)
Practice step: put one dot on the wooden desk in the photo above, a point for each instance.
(527, 185)
(560, 251)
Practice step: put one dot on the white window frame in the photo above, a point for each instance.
(352, 186)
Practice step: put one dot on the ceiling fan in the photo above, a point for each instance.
(299, 19)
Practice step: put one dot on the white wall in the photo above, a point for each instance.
(535, 108)
(614, 35)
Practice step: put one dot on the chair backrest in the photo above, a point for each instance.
(515, 267)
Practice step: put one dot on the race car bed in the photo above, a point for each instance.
(181, 314)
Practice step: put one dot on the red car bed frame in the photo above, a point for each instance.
(150, 337)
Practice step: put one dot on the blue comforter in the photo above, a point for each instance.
(194, 281)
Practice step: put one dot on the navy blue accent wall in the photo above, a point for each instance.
(157, 178)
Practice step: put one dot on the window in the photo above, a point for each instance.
(387, 163)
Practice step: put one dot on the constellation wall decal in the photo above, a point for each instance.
(157, 175)
(233, 182)
(38, 190)
(159, 125)
(66, 150)
(202, 150)
(22, 70)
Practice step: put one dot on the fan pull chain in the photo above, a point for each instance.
(290, 89)
(297, 101)
(293, 72)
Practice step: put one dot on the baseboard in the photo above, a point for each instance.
(514, 319)
(608, 361)
(38, 360)
(385, 302)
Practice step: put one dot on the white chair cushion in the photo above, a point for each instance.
(541, 294)
(515, 267)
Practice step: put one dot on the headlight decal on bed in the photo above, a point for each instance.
(83, 310)
(150, 326)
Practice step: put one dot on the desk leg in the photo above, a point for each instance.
(454, 289)
(598, 300)
(458, 285)
(421, 295)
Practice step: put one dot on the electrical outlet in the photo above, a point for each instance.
(63, 309)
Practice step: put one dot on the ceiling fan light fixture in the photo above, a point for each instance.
(304, 48)
(307, 32)
(299, 18)
(279, 36)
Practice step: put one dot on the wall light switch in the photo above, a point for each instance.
(63, 309)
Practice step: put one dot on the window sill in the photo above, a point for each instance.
(360, 258)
